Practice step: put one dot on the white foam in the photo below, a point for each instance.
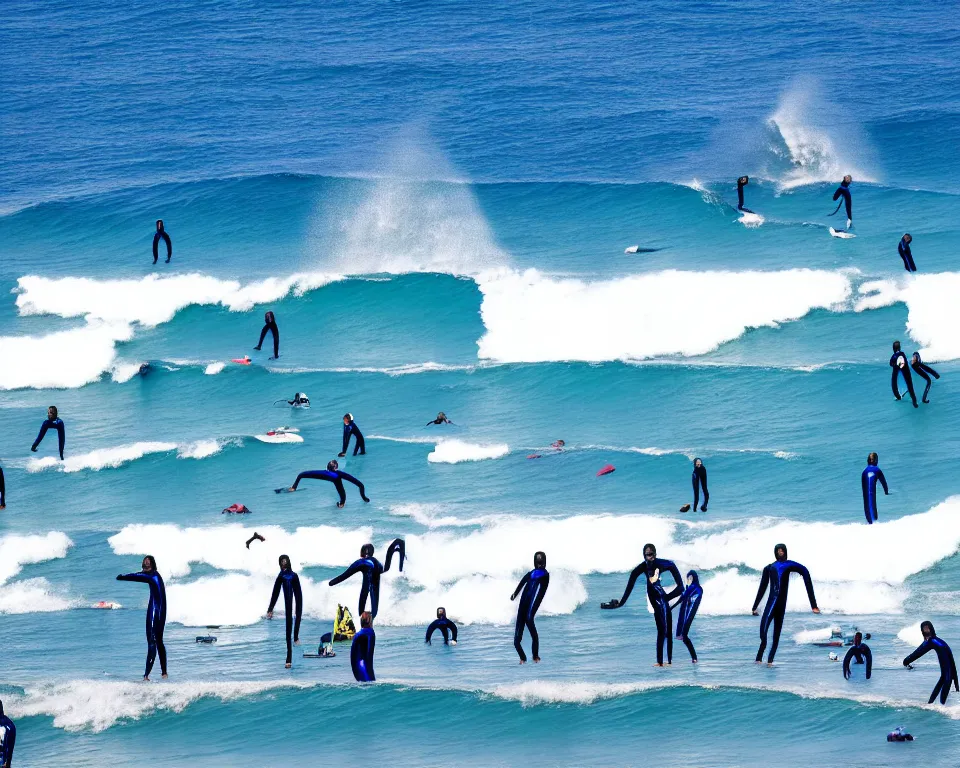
(530, 317)
(123, 372)
(212, 369)
(820, 635)
(911, 635)
(112, 458)
(17, 551)
(751, 220)
(457, 451)
(412, 440)
(32, 596)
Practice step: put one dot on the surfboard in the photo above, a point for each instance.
(842, 233)
(279, 437)
(282, 490)
(606, 470)
(318, 656)
(106, 605)
(241, 360)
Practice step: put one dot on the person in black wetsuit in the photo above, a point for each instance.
(441, 419)
(158, 236)
(289, 582)
(270, 324)
(361, 650)
(844, 191)
(350, 428)
(898, 361)
(651, 568)
(859, 653)
(156, 612)
(700, 481)
(687, 609)
(8, 739)
(52, 420)
(534, 585)
(948, 667)
(903, 248)
(922, 370)
(446, 627)
(741, 183)
(777, 577)
(334, 475)
(372, 570)
(3, 491)
(868, 483)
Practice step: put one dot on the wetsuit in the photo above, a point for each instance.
(156, 617)
(844, 191)
(161, 235)
(659, 600)
(868, 481)
(371, 569)
(57, 424)
(906, 377)
(948, 667)
(534, 585)
(687, 609)
(8, 739)
(740, 205)
(359, 446)
(904, 250)
(336, 477)
(777, 576)
(290, 583)
(446, 628)
(3, 489)
(361, 655)
(272, 327)
(922, 369)
(858, 653)
(700, 480)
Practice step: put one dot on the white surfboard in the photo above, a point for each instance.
(841, 233)
(280, 437)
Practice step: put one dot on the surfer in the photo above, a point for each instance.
(446, 627)
(903, 248)
(8, 739)
(350, 428)
(700, 481)
(868, 481)
(844, 191)
(651, 567)
(534, 585)
(741, 183)
(898, 361)
(52, 420)
(256, 537)
(270, 324)
(156, 612)
(948, 667)
(3, 491)
(158, 236)
(372, 570)
(289, 582)
(361, 651)
(300, 400)
(334, 475)
(859, 653)
(687, 609)
(922, 370)
(777, 576)
(441, 419)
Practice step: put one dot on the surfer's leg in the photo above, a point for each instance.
(693, 651)
(518, 634)
(893, 383)
(360, 446)
(263, 335)
(764, 629)
(706, 497)
(364, 591)
(662, 630)
(940, 690)
(777, 626)
(161, 648)
(534, 639)
(289, 628)
(276, 342)
(151, 647)
(909, 380)
(696, 492)
(669, 622)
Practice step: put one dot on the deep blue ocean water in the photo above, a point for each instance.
(435, 199)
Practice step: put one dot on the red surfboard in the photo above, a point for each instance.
(606, 470)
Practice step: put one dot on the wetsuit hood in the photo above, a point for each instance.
(366, 550)
(778, 547)
(280, 561)
(696, 460)
(695, 577)
(649, 548)
(896, 346)
(333, 466)
(539, 560)
(933, 632)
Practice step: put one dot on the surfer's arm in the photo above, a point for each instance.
(431, 629)
(956, 682)
(929, 370)
(141, 577)
(313, 474)
(3, 489)
(352, 479)
(276, 594)
(61, 435)
(846, 663)
(883, 481)
(925, 647)
(807, 582)
(544, 582)
(397, 547)
(764, 581)
(347, 430)
(43, 430)
(675, 572)
(520, 586)
(634, 575)
(357, 567)
(453, 633)
(869, 657)
(263, 335)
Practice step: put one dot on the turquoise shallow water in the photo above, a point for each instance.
(435, 201)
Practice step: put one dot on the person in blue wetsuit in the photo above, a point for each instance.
(289, 582)
(948, 667)
(3, 491)
(350, 428)
(868, 481)
(157, 237)
(361, 651)
(898, 361)
(8, 739)
(534, 585)
(777, 577)
(332, 474)
(924, 371)
(700, 481)
(270, 324)
(741, 183)
(372, 570)
(903, 248)
(156, 613)
(859, 653)
(687, 609)
(651, 568)
(446, 627)
(843, 191)
(53, 420)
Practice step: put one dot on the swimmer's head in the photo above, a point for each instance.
(780, 552)
(896, 346)
(366, 620)
(539, 560)
(333, 466)
(926, 627)
(441, 612)
(149, 564)
(366, 550)
(873, 459)
(649, 552)
(284, 563)
(441, 416)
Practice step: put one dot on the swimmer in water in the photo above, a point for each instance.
(859, 653)
(300, 400)
(441, 419)
(741, 183)
(558, 444)
(447, 628)
(903, 248)
(159, 235)
(843, 191)
(361, 651)
(270, 324)
(924, 371)
(53, 420)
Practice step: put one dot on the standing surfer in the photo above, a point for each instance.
(868, 481)
(777, 577)
(903, 248)
(350, 428)
(289, 582)
(898, 361)
(741, 183)
(270, 324)
(52, 420)
(534, 585)
(843, 191)
(161, 234)
(922, 369)
(156, 612)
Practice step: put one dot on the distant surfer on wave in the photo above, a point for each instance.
(441, 419)
(270, 324)
(161, 234)
(741, 183)
(156, 612)
(843, 191)
(868, 480)
(898, 361)
(906, 255)
(52, 420)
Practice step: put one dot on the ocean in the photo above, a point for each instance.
(436, 200)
